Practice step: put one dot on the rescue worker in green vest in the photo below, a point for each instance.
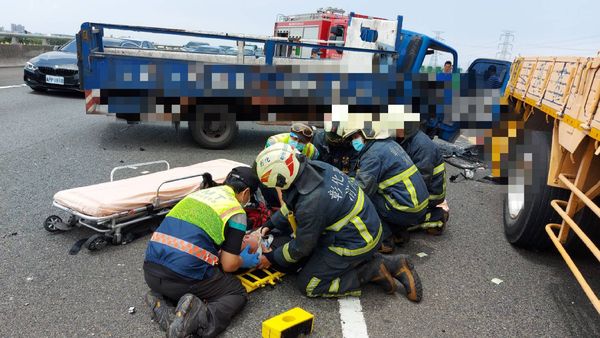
(299, 137)
(191, 254)
(429, 160)
(336, 230)
(391, 180)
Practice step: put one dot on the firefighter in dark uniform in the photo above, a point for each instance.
(427, 157)
(392, 181)
(334, 150)
(336, 230)
(191, 253)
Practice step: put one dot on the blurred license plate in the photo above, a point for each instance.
(59, 80)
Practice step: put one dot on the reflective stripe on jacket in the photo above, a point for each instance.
(386, 169)
(429, 160)
(330, 211)
(199, 220)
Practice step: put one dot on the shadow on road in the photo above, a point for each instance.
(59, 93)
(119, 135)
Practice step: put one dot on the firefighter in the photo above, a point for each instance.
(336, 230)
(191, 254)
(334, 150)
(427, 157)
(392, 181)
(299, 137)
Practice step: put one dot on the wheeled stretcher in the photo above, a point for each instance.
(109, 207)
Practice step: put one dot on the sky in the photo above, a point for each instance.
(472, 27)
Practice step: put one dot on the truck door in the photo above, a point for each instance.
(490, 73)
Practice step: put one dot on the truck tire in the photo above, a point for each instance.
(524, 223)
(213, 134)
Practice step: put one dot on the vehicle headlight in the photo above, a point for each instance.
(30, 66)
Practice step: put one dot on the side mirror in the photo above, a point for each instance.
(55, 47)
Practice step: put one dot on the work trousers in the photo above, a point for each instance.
(327, 274)
(223, 293)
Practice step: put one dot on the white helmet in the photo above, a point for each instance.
(277, 166)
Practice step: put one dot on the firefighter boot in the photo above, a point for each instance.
(404, 271)
(162, 313)
(376, 272)
(190, 315)
(402, 237)
(387, 246)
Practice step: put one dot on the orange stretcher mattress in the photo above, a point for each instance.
(109, 198)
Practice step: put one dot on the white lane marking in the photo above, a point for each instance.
(351, 316)
(13, 86)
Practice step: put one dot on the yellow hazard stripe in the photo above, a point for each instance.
(443, 194)
(358, 206)
(354, 293)
(335, 286)
(405, 208)
(411, 190)
(286, 253)
(356, 252)
(312, 284)
(362, 229)
(439, 169)
(397, 178)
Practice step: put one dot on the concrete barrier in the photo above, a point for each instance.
(18, 55)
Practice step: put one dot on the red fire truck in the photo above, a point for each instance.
(326, 24)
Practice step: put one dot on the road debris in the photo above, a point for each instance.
(131, 310)
(422, 254)
(497, 281)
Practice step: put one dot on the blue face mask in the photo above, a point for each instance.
(293, 143)
(358, 144)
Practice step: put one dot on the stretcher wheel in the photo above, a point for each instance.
(72, 221)
(96, 242)
(50, 223)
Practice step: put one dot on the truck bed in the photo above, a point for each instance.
(566, 88)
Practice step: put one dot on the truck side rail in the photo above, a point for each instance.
(93, 32)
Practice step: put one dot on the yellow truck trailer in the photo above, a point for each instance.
(554, 179)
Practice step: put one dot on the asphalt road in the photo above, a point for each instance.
(48, 144)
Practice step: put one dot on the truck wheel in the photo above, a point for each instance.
(213, 134)
(527, 209)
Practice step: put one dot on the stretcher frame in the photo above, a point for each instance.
(111, 226)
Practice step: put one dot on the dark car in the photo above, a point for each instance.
(58, 69)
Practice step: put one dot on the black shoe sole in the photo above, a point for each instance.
(180, 327)
(418, 287)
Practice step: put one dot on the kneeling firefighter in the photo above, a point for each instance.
(392, 181)
(190, 255)
(336, 229)
(429, 160)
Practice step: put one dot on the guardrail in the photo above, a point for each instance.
(61, 39)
